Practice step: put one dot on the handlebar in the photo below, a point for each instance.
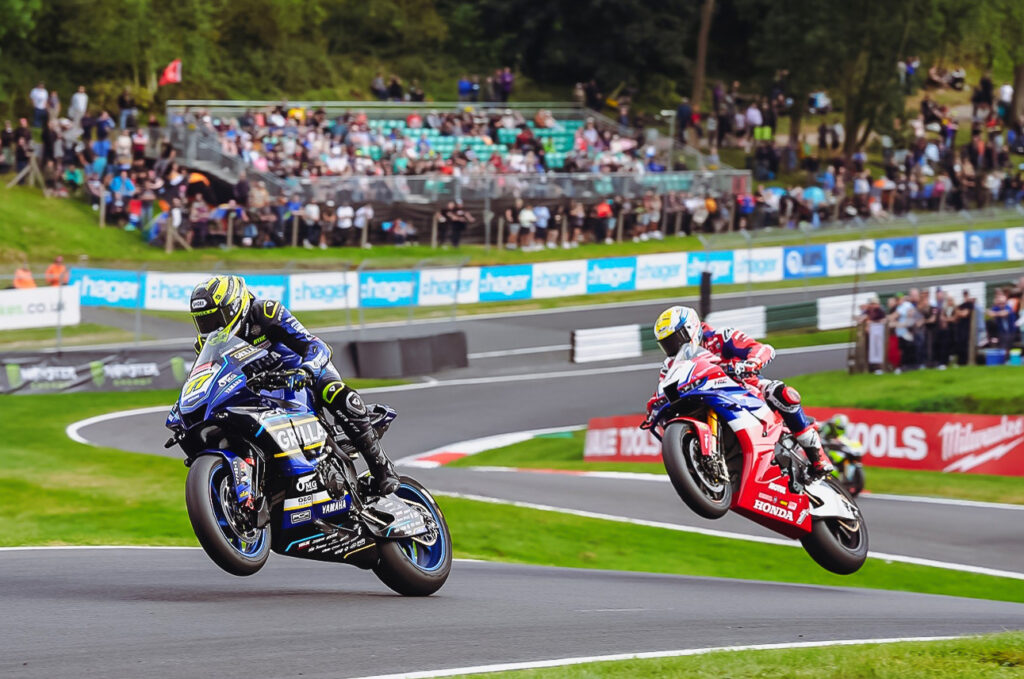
(275, 379)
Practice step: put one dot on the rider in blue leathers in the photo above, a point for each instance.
(224, 303)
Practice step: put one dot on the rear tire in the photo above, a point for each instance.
(838, 545)
(409, 567)
(209, 478)
(701, 490)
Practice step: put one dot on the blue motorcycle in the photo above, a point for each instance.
(268, 473)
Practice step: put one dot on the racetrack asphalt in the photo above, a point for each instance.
(103, 614)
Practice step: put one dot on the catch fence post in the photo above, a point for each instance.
(60, 311)
(139, 296)
(231, 229)
(501, 232)
(359, 292)
(618, 225)
(295, 231)
(433, 231)
(103, 208)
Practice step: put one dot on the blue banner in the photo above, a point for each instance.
(986, 246)
(806, 261)
(610, 275)
(501, 283)
(265, 286)
(108, 287)
(720, 265)
(387, 288)
(896, 253)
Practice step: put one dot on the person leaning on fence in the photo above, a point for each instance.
(23, 277)
(57, 273)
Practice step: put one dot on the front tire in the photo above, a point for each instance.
(210, 500)
(408, 566)
(838, 545)
(856, 483)
(696, 482)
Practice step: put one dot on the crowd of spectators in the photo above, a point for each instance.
(296, 143)
(937, 327)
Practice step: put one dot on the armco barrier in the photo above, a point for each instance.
(410, 356)
(470, 285)
(948, 442)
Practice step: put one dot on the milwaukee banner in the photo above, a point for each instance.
(947, 442)
(619, 439)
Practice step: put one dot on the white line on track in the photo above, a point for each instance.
(563, 662)
(520, 352)
(944, 501)
(964, 568)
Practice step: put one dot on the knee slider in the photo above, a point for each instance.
(782, 397)
(346, 399)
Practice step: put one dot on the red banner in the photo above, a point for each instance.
(949, 442)
(975, 444)
(619, 439)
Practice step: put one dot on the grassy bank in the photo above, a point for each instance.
(565, 451)
(970, 389)
(84, 333)
(90, 495)
(995, 656)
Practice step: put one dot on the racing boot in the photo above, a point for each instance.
(354, 419)
(811, 443)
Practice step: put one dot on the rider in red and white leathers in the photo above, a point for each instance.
(748, 357)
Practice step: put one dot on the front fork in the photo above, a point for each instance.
(714, 424)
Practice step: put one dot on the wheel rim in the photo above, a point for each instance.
(426, 552)
(701, 467)
(246, 541)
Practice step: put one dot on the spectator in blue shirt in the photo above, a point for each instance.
(465, 88)
(1002, 320)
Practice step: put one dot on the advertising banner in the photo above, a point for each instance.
(560, 279)
(445, 286)
(619, 439)
(323, 291)
(805, 261)
(40, 373)
(1015, 243)
(892, 254)
(503, 283)
(977, 444)
(850, 258)
(387, 288)
(718, 263)
(269, 286)
(171, 291)
(611, 275)
(757, 265)
(986, 246)
(973, 444)
(108, 287)
(941, 249)
(39, 307)
(661, 271)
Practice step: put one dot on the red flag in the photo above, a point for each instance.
(171, 74)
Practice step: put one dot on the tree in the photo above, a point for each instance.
(1001, 30)
(706, 12)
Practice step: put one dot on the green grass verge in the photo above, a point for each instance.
(810, 337)
(565, 451)
(85, 333)
(969, 389)
(995, 656)
(59, 492)
(41, 228)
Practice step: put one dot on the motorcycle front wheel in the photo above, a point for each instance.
(838, 545)
(417, 566)
(216, 520)
(693, 475)
(855, 480)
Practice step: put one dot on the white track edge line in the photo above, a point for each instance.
(899, 558)
(646, 655)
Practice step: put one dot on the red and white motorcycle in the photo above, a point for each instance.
(752, 465)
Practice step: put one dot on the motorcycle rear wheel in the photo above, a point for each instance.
(408, 566)
(856, 483)
(838, 545)
(209, 499)
(697, 486)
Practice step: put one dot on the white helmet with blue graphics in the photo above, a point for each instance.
(676, 327)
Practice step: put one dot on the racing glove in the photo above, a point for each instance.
(295, 380)
(746, 368)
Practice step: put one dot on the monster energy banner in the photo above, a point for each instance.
(42, 373)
